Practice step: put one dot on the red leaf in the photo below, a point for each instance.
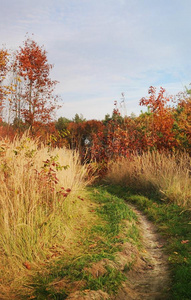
(184, 241)
(27, 265)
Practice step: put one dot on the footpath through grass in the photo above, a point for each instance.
(92, 264)
(174, 225)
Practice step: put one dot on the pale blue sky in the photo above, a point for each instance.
(101, 48)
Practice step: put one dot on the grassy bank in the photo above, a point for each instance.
(95, 263)
(160, 185)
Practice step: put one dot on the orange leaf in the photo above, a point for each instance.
(27, 265)
(184, 241)
(92, 246)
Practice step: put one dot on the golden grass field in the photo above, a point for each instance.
(165, 173)
(41, 205)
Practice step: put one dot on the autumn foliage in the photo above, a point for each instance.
(29, 103)
(33, 70)
(28, 100)
(164, 127)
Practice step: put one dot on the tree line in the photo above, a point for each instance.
(28, 101)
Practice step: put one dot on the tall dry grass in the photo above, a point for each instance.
(165, 173)
(39, 207)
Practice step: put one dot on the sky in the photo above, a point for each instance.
(103, 48)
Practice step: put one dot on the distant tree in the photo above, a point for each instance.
(107, 119)
(3, 71)
(188, 90)
(116, 116)
(15, 101)
(182, 124)
(133, 116)
(78, 118)
(19, 125)
(62, 123)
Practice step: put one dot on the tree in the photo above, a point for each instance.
(33, 69)
(78, 118)
(3, 72)
(182, 125)
(62, 123)
(107, 119)
(159, 121)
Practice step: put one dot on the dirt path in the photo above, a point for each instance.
(150, 279)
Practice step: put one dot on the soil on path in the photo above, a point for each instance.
(150, 277)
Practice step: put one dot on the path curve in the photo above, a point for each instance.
(150, 280)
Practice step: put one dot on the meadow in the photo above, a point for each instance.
(65, 186)
(57, 220)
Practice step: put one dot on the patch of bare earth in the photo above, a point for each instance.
(149, 278)
(147, 271)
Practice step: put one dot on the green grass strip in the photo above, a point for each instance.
(108, 232)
